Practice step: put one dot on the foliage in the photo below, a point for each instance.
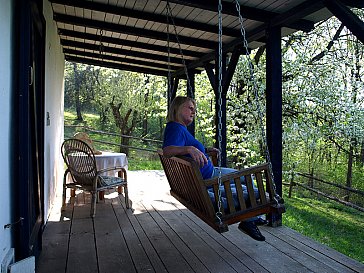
(140, 92)
(323, 105)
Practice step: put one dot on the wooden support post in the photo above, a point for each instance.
(274, 103)
(274, 113)
(227, 74)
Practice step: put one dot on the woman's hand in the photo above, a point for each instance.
(198, 156)
(195, 153)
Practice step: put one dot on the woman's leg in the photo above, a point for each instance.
(225, 170)
(248, 226)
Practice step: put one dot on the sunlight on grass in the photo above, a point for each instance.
(329, 223)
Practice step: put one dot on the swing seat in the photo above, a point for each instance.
(190, 189)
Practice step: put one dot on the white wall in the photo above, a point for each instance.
(5, 94)
(54, 101)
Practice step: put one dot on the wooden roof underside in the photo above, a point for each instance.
(132, 34)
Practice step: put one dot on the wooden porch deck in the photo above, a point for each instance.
(159, 235)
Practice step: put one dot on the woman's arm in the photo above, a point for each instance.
(212, 149)
(195, 153)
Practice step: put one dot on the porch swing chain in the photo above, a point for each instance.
(169, 60)
(255, 88)
(101, 46)
(169, 14)
(219, 102)
(170, 19)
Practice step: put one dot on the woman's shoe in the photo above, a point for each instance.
(252, 230)
(260, 222)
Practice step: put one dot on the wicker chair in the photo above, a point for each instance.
(81, 165)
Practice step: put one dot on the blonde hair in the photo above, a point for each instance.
(175, 106)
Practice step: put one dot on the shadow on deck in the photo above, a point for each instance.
(159, 235)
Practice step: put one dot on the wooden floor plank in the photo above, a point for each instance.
(213, 257)
(167, 252)
(160, 235)
(297, 254)
(186, 248)
(82, 250)
(318, 252)
(327, 251)
(112, 251)
(135, 235)
(218, 241)
(55, 240)
(265, 256)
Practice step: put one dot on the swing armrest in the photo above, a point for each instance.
(213, 157)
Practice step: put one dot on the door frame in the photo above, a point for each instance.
(28, 129)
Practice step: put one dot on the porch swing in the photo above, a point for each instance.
(212, 206)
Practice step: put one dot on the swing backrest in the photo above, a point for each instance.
(188, 187)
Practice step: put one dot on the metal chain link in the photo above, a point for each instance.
(101, 46)
(169, 13)
(256, 95)
(169, 61)
(219, 213)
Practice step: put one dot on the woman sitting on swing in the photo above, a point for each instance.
(179, 141)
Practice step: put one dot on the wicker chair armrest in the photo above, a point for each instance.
(115, 168)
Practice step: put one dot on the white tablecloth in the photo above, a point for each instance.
(109, 159)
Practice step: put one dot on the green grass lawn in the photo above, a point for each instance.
(327, 222)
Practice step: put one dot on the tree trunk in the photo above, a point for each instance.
(124, 145)
(126, 127)
(103, 114)
(310, 181)
(362, 154)
(349, 174)
(161, 121)
(145, 125)
(77, 92)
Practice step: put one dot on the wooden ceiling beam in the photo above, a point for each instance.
(123, 42)
(138, 32)
(259, 32)
(119, 51)
(84, 60)
(147, 16)
(251, 13)
(353, 3)
(347, 17)
(121, 60)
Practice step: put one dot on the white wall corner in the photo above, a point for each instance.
(7, 260)
(26, 265)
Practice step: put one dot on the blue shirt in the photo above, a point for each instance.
(176, 134)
